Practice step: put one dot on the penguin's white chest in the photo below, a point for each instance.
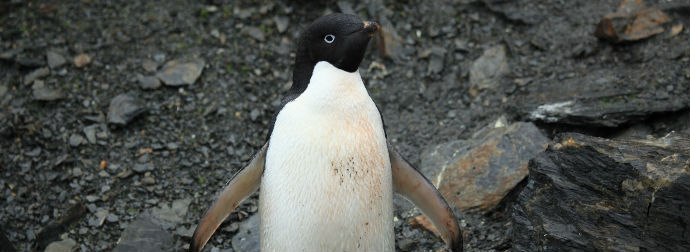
(327, 183)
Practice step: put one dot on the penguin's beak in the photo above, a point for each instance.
(371, 27)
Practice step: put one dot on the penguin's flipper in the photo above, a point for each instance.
(241, 185)
(411, 184)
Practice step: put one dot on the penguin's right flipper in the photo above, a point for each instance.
(240, 186)
(411, 184)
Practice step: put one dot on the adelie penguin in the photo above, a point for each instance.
(327, 173)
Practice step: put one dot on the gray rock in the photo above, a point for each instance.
(123, 108)
(185, 232)
(43, 93)
(477, 174)
(254, 114)
(436, 60)
(55, 60)
(36, 74)
(247, 239)
(149, 65)
(524, 12)
(592, 194)
(65, 245)
(144, 234)
(77, 172)
(91, 198)
(142, 167)
(177, 73)
(99, 218)
(33, 152)
(90, 132)
(486, 72)
(148, 82)
(76, 140)
(164, 213)
(181, 206)
(406, 244)
(111, 217)
(392, 43)
(346, 7)
(282, 23)
(255, 33)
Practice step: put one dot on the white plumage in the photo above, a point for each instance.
(327, 182)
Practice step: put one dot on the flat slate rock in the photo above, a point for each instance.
(179, 73)
(144, 234)
(603, 98)
(123, 108)
(592, 194)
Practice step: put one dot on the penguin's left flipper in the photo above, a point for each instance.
(241, 186)
(411, 184)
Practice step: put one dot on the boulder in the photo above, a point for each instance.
(592, 194)
(476, 174)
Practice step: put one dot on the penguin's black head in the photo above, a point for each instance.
(339, 39)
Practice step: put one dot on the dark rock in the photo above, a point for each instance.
(522, 11)
(50, 232)
(477, 174)
(601, 98)
(43, 93)
(486, 72)
(247, 239)
(36, 74)
(29, 62)
(148, 82)
(55, 60)
(123, 108)
(5, 243)
(592, 194)
(178, 73)
(144, 234)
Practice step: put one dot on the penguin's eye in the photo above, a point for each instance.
(329, 38)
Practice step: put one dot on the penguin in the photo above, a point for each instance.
(327, 173)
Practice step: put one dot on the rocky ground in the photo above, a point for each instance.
(120, 120)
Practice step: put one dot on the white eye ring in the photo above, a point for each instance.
(329, 38)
